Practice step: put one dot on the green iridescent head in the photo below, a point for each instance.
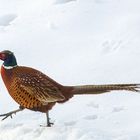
(9, 58)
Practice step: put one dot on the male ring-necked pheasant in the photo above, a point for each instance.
(34, 90)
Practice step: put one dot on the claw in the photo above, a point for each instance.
(6, 116)
(50, 124)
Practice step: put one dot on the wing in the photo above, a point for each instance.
(40, 86)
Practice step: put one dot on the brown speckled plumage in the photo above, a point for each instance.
(31, 88)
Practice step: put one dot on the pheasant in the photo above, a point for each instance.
(33, 90)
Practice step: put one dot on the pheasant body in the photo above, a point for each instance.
(34, 90)
(21, 82)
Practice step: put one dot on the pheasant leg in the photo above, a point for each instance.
(49, 124)
(9, 114)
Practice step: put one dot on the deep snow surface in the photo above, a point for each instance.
(75, 42)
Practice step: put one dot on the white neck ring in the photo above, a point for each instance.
(9, 67)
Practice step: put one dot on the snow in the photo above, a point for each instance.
(75, 42)
(7, 19)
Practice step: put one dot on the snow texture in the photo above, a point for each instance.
(63, 1)
(75, 42)
(5, 20)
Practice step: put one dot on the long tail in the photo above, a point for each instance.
(98, 89)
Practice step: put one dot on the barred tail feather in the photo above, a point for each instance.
(98, 89)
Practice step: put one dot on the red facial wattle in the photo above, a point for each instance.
(2, 56)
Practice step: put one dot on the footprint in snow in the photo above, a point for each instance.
(111, 46)
(117, 109)
(63, 1)
(5, 20)
(91, 117)
(71, 123)
(101, 1)
(93, 105)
